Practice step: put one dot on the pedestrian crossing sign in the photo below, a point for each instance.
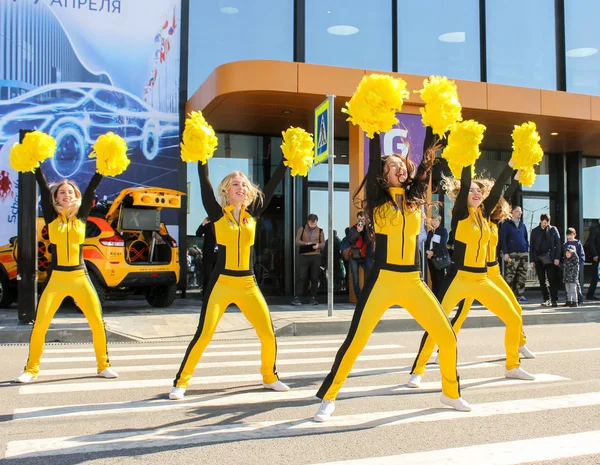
(322, 132)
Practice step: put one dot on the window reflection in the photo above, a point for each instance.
(445, 43)
(349, 33)
(582, 46)
(521, 49)
(222, 31)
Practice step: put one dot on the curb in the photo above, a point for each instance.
(324, 328)
(84, 335)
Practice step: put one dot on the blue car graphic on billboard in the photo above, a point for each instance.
(76, 113)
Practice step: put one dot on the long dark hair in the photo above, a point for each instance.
(376, 191)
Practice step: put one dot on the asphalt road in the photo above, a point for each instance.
(70, 416)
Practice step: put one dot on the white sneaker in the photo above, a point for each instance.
(525, 352)
(176, 393)
(25, 378)
(457, 404)
(108, 373)
(414, 381)
(325, 410)
(518, 373)
(277, 386)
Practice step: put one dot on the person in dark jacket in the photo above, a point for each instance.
(515, 247)
(361, 252)
(544, 255)
(435, 246)
(209, 250)
(593, 244)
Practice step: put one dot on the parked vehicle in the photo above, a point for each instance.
(127, 249)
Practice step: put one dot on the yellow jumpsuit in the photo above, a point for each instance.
(232, 280)
(493, 271)
(68, 276)
(394, 279)
(471, 239)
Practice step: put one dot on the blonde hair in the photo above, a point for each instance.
(501, 211)
(451, 186)
(74, 208)
(253, 192)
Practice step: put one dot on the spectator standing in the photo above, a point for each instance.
(310, 240)
(361, 250)
(545, 252)
(515, 246)
(571, 275)
(593, 244)
(572, 241)
(339, 271)
(209, 250)
(435, 247)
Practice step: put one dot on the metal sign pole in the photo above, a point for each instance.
(330, 264)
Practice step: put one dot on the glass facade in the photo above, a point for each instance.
(446, 43)
(348, 33)
(582, 43)
(521, 45)
(223, 31)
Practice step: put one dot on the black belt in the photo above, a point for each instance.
(490, 264)
(68, 268)
(397, 268)
(238, 273)
(471, 269)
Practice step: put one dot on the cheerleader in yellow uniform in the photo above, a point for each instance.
(232, 280)
(472, 233)
(394, 197)
(65, 211)
(500, 213)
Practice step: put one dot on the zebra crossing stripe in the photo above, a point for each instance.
(580, 444)
(89, 370)
(212, 346)
(214, 380)
(303, 350)
(221, 400)
(501, 453)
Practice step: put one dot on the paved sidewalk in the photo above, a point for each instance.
(135, 320)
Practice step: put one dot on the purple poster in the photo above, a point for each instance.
(404, 138)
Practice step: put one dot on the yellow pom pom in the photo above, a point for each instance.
(527, 176)
(298, 150)
(375, 103)
(110, 151)
(22, 160)
(526, 146)
(35, 148)
(442, 108)
(463, 145)
(199, 139)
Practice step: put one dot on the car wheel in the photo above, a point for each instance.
(7, 295)
(100, 288)
(161, 296)
(70, 149)
(150, 140)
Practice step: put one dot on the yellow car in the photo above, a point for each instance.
(127, 249)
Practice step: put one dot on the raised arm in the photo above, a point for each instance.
(46, 197)
(87, 199)
(460, 210)
(374, 171)
(492, 199)
(212, 207)
(269, 190)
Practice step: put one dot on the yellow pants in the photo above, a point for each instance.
(479, 287)
(382, 290)
(243, 292)
(496, 277)
(75, 284)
